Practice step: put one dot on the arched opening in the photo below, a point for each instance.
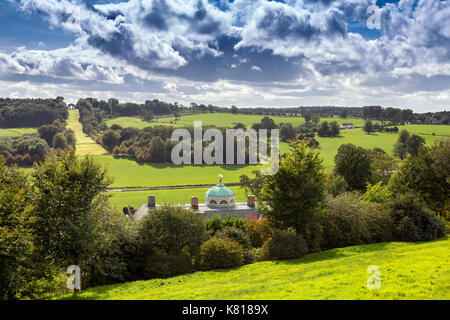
(223, 202)
(213, 202)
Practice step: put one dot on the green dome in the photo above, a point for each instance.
(220, 191)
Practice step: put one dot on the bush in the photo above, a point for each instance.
(284, 245)
(413, 222)
(221, 253)
(349, 220)
(235, 234)
(168, 234)
(259, 230)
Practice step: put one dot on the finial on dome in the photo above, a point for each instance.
(220, 178)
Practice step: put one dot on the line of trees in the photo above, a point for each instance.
(31, 112)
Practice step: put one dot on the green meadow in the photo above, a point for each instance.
(171, 196)
(408, 271)
(218, 119)
(13, 132)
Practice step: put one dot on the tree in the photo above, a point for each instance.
(59, 141)
(157, 149)
(382, 167)
(323, 130)
(15, 233)
(110, 139)
(316, 119)
(66, 200)
(254, 185)
(47, 132)
(343, 114)
(334, 128)
(368, 127)
(427, 176)
(407, 144)
(148, 115)
(292, 196)
(353, 163)
(306, 116)
(287, 131)
(171, 234)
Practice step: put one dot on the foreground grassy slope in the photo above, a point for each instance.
(85, 145)
(408, 271)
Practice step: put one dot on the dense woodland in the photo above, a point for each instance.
(19, 113)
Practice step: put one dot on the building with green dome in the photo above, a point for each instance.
(219, 200)
(220, 196)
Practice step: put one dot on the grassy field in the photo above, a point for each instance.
(85, 145)
(129, 173)
(12, 132)
(218, 119)
(408, 271)
(175, 196)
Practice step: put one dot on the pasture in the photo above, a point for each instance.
(408, 271)
(219, 119)
(13, 132)
(168, 196)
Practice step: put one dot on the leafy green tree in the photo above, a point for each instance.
(111, 139)
(16, 242)
(293, 195)
(254, 185)
(426, 175)
(343, 114)
(334, 128)
(353, 163)
(67, 194)
(382, 167)
(407, 144)
(47, 132)
(377, 193)
(157, 149)
(59, 141)
(324, 129)
(368, 127)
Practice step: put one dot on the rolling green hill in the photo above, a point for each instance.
(408, 271)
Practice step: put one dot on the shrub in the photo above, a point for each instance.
(284, 245)
(413, 222)
(336, 184)
(235, 234)
(221, 253)
(167, 233)
(259, 230)
(348, 220)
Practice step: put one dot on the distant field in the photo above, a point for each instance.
(85, 145)
(129, 173)
(176, 196)
(408, 271)
(12, 132)
(218, 119)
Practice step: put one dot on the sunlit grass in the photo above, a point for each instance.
(408, 271)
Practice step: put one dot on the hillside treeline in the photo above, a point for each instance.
(25, 150)
(20, 113)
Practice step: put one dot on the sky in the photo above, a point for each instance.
(248, 53)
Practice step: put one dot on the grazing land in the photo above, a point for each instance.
(84, 145)
(218, 119)
(167, 196)
(12, 132)
(408, 271)
(129, 173)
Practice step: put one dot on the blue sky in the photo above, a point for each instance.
(243, 52)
